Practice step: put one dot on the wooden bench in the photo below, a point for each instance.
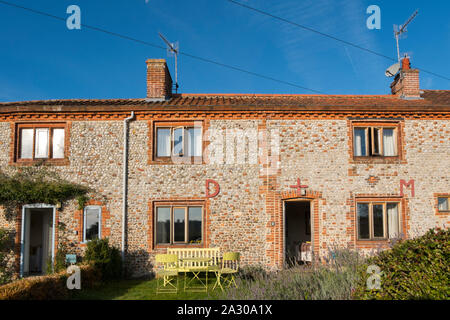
(207, 257)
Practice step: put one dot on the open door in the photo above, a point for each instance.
(298, 246)
(37, 247)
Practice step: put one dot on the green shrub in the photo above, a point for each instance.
(413, 269)
(49, 287)
(105, 257)
(4, 274)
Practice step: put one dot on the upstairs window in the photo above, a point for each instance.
(375, 141)
(378, 220)
(37, 142)
(178, 141)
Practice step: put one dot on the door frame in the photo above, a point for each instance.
(22, 235)
(311, 222)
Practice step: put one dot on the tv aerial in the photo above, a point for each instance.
(400, 30)
(172, 51)
(399, 33)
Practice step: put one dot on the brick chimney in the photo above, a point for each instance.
(159, 81)
(406, 82)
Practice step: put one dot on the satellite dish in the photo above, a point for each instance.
(392, 70)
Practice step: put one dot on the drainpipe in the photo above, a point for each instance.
(125, 177)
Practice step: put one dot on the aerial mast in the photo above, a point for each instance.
(398, 31)
(172, 49)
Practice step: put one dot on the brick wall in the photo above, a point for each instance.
(247, 214)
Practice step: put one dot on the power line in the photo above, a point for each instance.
(163, 48)
(326, 35)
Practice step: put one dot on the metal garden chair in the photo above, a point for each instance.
(167, 271)
(225, 274)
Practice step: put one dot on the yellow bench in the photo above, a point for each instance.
(196, 260)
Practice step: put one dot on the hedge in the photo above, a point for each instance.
(49, 287)
(417, 268)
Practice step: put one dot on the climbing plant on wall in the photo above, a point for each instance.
(37, 184)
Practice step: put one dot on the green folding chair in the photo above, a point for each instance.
(225, 275)
(166, 273)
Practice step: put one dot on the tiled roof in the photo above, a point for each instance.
(430, 98)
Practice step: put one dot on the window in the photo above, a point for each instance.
(92, 223)
(443, 204)
(375, 141)
(37, 142)
(180, 141)
(378, 220)
(178, 224)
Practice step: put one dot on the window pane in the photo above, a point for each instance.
(58, 143)
(360, 142)
(162, 225)
(26, 140)
(378, 221)
(179, 220)
(376, 141)
(163, 142)
(363, 220)
(195, 225)
(178, 141)
(442, 204)
(41, 147)
(194, 141)
(392, 216)
(388, 142)
(92, 223)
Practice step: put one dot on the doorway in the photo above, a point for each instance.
(297, 215)
(37, 248)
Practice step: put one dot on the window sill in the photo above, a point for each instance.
(50, 162)
(181, 246)
(378, 159)
(178, 161)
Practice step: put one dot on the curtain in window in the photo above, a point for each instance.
(388, 142)
(392, 213)
(360, 142)
(443, 204)
(58, 143)
(194, 142)
(26, 143)
(41, 147)
(163, 142)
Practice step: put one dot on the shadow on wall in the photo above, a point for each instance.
(138, 264)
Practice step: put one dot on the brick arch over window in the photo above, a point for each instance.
(275, 236)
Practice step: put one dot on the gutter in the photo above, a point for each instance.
(125, 181)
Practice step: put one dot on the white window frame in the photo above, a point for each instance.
(185, 137)
(99, 208)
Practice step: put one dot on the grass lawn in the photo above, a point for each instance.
(142, 289)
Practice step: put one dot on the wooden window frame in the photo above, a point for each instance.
(172, 206)
(371, 125)
(99, 208)
(442, 212)
(172, 125)
(16, 155)
(371, 203)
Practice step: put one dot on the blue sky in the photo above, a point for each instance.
(41, 59)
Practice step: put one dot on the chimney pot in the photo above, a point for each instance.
(406, 82)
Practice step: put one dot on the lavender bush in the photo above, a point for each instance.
(335, 280)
